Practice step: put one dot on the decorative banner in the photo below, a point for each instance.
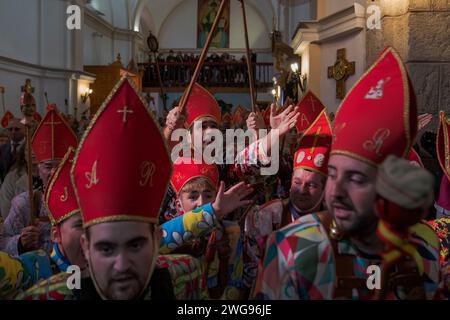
(207, 10)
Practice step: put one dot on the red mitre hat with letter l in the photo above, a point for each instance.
(315, 145)
(122, 167)
(59, 196)
(185, 169)
(7, 117)
(378, 116)
(310, 107)
(414, 159)
(53, 137)
(443, 143)
(201, 106)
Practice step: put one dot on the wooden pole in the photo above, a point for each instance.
(202, 58)
(249, 61)
(2, 91)
(30, 172)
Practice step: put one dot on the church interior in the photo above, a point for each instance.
(70, 54)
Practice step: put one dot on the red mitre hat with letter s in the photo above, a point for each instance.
(315, 145)
(59, 196)
(201, 106)
(185, 169)
(378, 116)
(122, 167)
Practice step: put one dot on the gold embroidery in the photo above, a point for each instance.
(92, 176)
(312, 104)
(304, 118)
(337, 129)
(125, 112)
(316, 137)
(147, 169)
(65, 196)
(377, 141)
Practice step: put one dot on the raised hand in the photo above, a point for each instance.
(227, 202)
(255, 120)
(175, 119)
(285, 121)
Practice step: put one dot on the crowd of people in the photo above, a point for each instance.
(351, 193)
(219, 69)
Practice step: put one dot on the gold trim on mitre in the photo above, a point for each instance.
(92, 124)
(444, 122)
(49, 189)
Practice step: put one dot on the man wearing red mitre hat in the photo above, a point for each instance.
(327, 255)
(306, 193)
(25, 230)
(120, 208)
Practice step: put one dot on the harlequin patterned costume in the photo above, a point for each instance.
(299, 261)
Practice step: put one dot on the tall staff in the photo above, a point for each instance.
(28, 126)
(2, 91)
(249, 61)
(202, 58)
(153, 45)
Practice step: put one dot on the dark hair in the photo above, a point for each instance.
(88, 232)
(21, 162)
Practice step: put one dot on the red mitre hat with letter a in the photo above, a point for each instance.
(201, 106)
(378, 117)
(185, 169)
(309, 108)
(59, 196)
(53, 137)
(7, 117)
(122, 167)
(315, 145)
(443, 143)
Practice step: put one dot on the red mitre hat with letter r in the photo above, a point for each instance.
(201, 106)
(315, 145)
(53, 137)
(185, 169)
(443, 144)
(59, 196)
(122, 167)
(378, 116)
(310, 107)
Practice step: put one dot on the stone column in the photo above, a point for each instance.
(420, 31)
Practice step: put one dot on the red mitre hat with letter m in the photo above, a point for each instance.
(122, 167)
(201, 106)
(309, 108)
(53, 137)
(443, 144)
(184, 170)
(59, 196)
(378, 117)
(315, 145)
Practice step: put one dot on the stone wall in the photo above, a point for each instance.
(420, 31)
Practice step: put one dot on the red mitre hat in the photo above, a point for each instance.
(227, 117)
(309, 108)
(37, 117)
(7, 117)
(378, 117)
(122, 167)
(185, 169)
(315, 144)
(59, 196)
(443, 143)
(27, 98)
(202, 105)
(238, 114)
(53, 137)
(414, 159)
